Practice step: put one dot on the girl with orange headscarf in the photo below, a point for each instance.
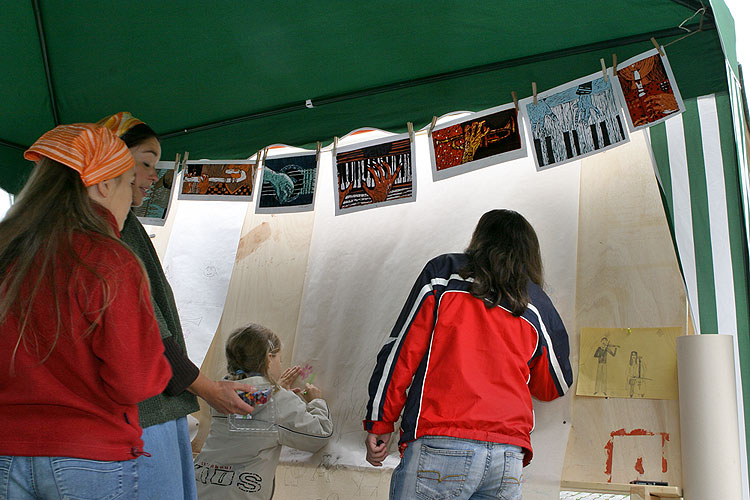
(79, 344)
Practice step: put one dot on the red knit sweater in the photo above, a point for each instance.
(82, 401)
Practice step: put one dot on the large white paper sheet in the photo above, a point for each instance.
(198, 264)
(362, 266)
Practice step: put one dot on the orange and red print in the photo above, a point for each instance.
(221, 180)
(482, 139)
(648, 89)
(375, 173)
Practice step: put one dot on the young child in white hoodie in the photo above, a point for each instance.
(240, 456)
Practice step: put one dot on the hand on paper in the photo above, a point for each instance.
(310, 392)
(289, 376)
(383, 182)
(473, 136)
(377, 448)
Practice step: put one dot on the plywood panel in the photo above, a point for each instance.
(627, 277)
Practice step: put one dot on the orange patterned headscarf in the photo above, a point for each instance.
(93, 151)
(119, 123)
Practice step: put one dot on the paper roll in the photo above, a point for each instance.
(708, 417)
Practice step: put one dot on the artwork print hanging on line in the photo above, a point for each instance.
(482, 139)
(230, 180)
(648, 88)
(288, 183)
(373, 174)
(575, 120)
(156, 203)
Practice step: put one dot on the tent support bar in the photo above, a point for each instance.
(606, 44)
(13, 145)
(45, 59)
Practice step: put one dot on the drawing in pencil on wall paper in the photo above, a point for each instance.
(633, 363)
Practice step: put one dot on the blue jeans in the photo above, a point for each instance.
(437, 468)
(57, 478)
(169, 472)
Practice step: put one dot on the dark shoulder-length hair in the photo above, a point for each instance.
(137, 134)
(52, 207)
(503, 256)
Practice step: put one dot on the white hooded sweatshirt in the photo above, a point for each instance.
(241, 465)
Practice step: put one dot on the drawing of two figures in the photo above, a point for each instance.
(635, 373)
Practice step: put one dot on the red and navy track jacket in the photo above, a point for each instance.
(459, 369)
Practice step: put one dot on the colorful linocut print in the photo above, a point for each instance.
(218, 180)
(485, 138)
(288, 183)
(574, 120)
(375, 173)
(648, 90)
(155, 207)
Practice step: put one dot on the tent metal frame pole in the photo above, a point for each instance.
(13, 145)
(45, 59)
(607, 44)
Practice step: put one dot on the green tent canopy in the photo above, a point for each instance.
(225, 79)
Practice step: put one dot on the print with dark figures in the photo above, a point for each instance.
(374, 174)
(574, 122)
(288, 181)
(475, 139)
(648, 93)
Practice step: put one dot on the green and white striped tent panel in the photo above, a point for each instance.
(696, 159)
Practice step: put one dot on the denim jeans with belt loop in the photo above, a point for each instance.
(437, 468)
(56, 478)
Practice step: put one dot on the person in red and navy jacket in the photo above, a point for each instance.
(476, 339)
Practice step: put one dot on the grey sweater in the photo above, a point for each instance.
(164, 407)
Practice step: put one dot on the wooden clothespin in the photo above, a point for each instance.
(614, 64)
(265, 155)
(432, 125)
(317, 152)
(410, 126)
(604, 69)
(184, 160)
(658, 47)
(533, 91)
(176, 162)
(257, 162)
(515, 99)
(335, 145)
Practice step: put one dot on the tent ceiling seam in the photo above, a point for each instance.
(45, 60)
(642, 37)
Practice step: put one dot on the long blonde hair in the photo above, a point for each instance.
(247, 351)
(39, 227)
